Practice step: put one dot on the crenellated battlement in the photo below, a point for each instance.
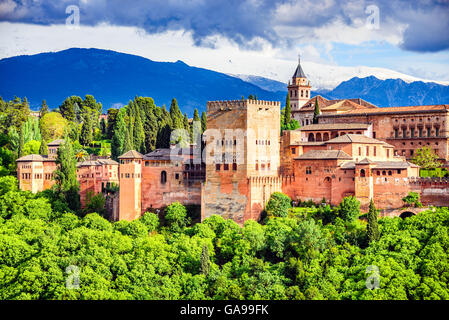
(228, 105)
(429, 181)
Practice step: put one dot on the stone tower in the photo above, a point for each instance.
(242, 158)
(299, 88)
(130, 185)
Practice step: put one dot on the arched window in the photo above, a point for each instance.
(311, 137)
(163, 177)
(318, 137)
(362, 173)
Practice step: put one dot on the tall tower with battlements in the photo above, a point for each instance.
(299, 88)
(242, 158)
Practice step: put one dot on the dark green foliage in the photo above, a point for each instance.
(205, 260)
(288, 110)
(118, 139)
(316, 111)
(95, 203)
(278, 205)
(67, 185)
(44, 109)
(372, 228)
(412, 198)
(112, 118)
(203, 122)
(21, 143)
(43, 148)
(176, 115)
(86, 136)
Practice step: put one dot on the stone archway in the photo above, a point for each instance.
(406, 214)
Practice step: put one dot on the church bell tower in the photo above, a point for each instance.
(299, 88)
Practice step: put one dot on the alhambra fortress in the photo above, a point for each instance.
(356, 149)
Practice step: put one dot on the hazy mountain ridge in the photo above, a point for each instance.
(114, 78)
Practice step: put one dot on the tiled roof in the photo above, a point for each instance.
(132, 154)
(31, 158)
(381, 165)
(324, 154)
(98, 162)
(162, 154)
(354, 138)
(56, 142)
(324, 103)
(407, 109)
(299, 73)
(334, 126)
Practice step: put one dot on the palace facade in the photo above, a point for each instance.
(354, 148)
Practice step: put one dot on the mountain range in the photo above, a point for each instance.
(114, 78)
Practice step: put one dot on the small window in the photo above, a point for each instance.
(308, 170)
(226, 166)
(163, 177)
(217, 167)
(293, 150)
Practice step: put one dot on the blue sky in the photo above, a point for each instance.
(241, 36)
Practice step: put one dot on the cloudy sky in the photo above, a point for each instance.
(260, 37)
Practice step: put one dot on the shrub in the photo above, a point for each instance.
(278, 205)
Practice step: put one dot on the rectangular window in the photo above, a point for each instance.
(293, 150)
(308, 170)
(217, 167)
(226, 166)
(234, 166)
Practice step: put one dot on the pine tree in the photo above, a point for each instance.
(316, 112)
(205, 260)
(44, 109)
(43, 149)
(288, 111)
(67, 184)
(372, 228)
(203, 122)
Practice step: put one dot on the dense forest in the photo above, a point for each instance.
(316, 252)
(50, 248)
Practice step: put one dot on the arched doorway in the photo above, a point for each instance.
(406, 214)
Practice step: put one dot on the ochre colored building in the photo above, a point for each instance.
(354, 148)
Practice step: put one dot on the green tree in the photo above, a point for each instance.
(205, 260)
(278, 205)
(288, 110)
(203, 122)
(31, 147)
(119, 137)
(426, 158)
(86, 136)
(20, 151)
(67, 185)
(95, 203)
(112, 118)
(176, 115)
(372, 228)
(413, 198)
(349, 208)
(44, 109)
(52, 126)
(43, 148)
(316, 111)
(176, 216)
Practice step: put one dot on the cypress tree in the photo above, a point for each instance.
(316, 112)
(21, 142)
(128, 144)
(138, 134)
(86, 135)
(250, 97)
(66, 180)
(176, 115)
(288, 111)
(44, 109)
(43, 149)
(203, 122)
(372, 227)
(205, 260)
(118, 139)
